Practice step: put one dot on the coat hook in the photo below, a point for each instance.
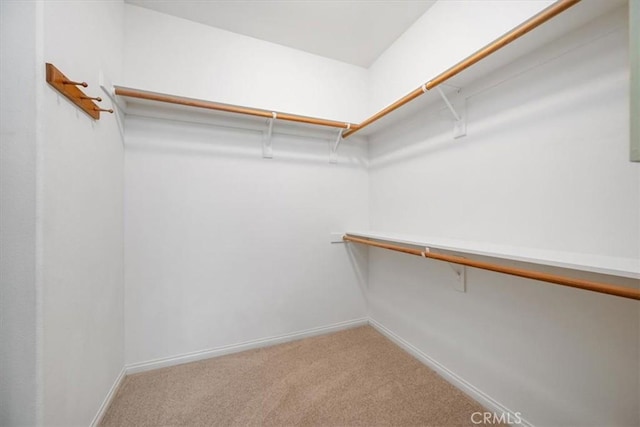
(70, 82)
(97, 98)
(72, 90)
(110, 110)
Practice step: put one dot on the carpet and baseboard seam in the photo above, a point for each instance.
(352, 377)
(108, 398)
(244, 346)
(467, 388)
(475, 393)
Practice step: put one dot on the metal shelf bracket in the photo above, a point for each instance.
(460, 281)
(333, 156)
(460, 122)
(267, 147)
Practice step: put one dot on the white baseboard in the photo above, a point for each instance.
(236, 348)
(107, 400)
(479, 396)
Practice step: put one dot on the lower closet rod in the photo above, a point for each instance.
(603, 288)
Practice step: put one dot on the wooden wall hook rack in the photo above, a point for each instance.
(70, 89)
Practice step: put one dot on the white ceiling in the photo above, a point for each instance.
(352, 31)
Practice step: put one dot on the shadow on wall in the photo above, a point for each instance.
(194, 138)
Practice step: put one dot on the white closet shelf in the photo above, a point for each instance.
(613, 266)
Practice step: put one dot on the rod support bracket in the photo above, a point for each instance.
(267, 147)
(460, 271)
(333, 155)
(459, 120)
(460, 280)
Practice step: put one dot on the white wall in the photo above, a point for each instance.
(225, 247)
(18, 296)
(222, 246)
(634, 54)
(544, 165)
(82, 241)
(447, 33)
(176, 56)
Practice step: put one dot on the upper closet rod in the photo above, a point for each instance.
(135, 93)
(542, 17)
(602, 288)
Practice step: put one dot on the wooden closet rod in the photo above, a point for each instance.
(537, 20)
(189, 102)
(603, 288)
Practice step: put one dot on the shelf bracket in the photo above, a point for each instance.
(267, 147)
(460, 281)
(457, 88)
(333, 156)
(460, 123)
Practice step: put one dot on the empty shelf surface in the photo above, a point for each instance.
(614, 266)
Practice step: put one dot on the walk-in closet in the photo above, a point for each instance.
(320, 213)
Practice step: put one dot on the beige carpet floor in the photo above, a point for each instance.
(355, 377)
